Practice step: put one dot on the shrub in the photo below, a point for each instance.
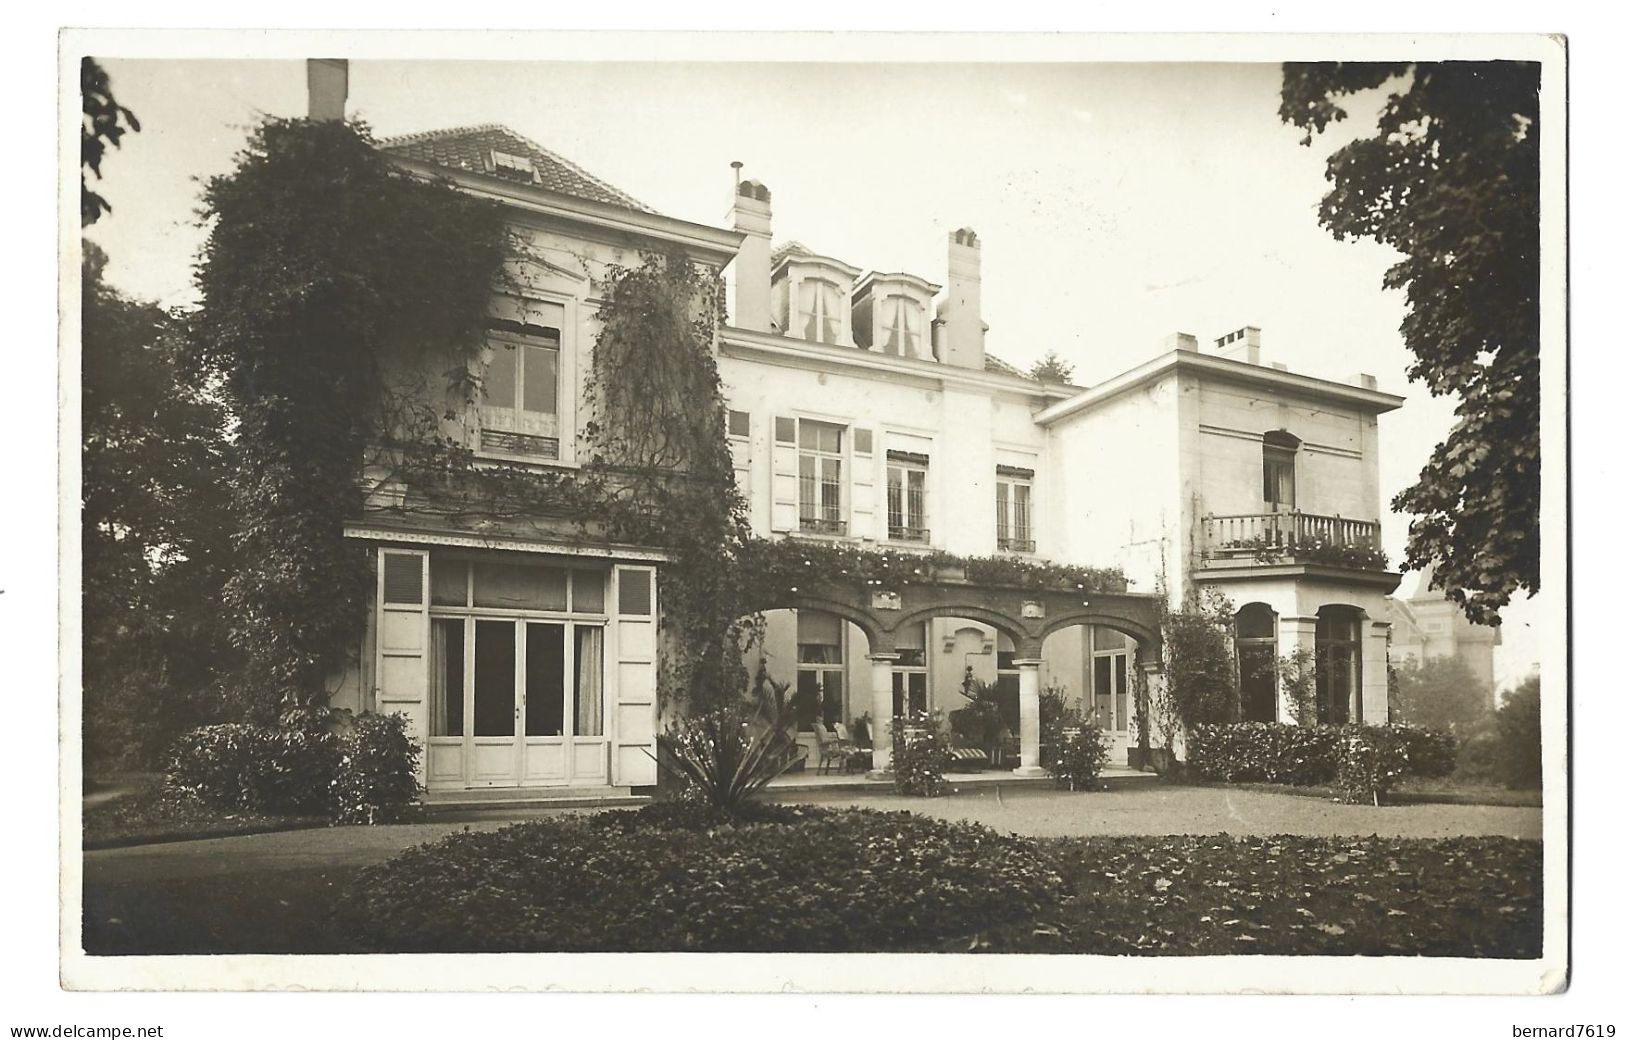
(1079, 754)
(1371, 760)
(849, 880)
(1199, 666)
(1517, 725)
(375, 777)
(220, 765)
(300, 766)
(1055, 716)
(1479, 759)
(1264, 752)
(1429, 753)
(919, 754)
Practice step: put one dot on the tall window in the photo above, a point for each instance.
(820, 484)
(1256, 656)
(818, 310)
(1337, 664)
(901, 320)
(1109, 684)
(908, 682)
(519, 413)
(1280, 470)
(1013, 503)
(905, 497)
(820, 670)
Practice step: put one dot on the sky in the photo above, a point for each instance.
(1116, 203)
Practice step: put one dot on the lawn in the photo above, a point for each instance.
(744, 888)
(141, 814)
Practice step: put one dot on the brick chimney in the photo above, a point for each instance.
(752, 214)
(962, 335)
(1240, 345)
(328, 82)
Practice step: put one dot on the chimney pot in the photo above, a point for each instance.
(752, 214)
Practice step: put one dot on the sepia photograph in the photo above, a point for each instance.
(924, 499)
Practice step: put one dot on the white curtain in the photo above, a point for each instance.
(589, 681)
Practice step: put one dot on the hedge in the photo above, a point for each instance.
(689, 879)
(1364, 761)
(352, 769)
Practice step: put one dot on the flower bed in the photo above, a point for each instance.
(687, 879)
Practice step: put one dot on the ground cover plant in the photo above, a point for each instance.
(148, 813)
(692, 879)
(1283, 894)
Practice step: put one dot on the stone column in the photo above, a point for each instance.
(1152, 683)
(1029, 718)
(880, 710)
(1291, 633)
(1373, 671)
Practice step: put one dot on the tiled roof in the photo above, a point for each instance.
(786, 249)
(1003, 368)
(469, 148)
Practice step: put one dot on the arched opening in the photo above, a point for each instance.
(1280, 471)
(1337, 663)
(816, 662)
(1089, 669)
(1256, 657)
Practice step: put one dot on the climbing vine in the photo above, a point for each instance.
(324, 269)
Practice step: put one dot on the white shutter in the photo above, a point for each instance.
(633, 711)
(785, 505)
(863, 485)
(401, 666)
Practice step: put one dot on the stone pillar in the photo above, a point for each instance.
(1373, 671)
(880, 710)
(1152, 684)
(1291, 633)
(1029, 718)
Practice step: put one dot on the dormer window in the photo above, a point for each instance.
(513, 167)
(890, 314)
(818, 311)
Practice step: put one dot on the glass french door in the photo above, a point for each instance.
(535, 713)
(1110, 700)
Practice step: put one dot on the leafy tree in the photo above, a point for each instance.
(105, 122)
(1199, 663)
(1441, 693)
(1052, 368)
(154, 528)
(1451, 180)
(1517, 725)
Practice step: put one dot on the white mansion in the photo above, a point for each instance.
(864, 408)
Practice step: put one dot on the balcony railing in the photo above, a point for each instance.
(1293, 537)
(1019, 545)
(904, 533)
(819, 525)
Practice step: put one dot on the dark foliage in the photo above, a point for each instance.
(1451, 179)
(919, 754)
(325, 270)
(154, 529)
(351, 770)
(1362, 760)
(105, 123)
(1052, 368)
(846, 881)
(1456, 897)
(723, 756)
(1079, 753)
(1199, 664)
(1517, 727)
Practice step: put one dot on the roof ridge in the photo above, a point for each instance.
(433, 135)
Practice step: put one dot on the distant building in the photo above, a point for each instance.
(1427, 624)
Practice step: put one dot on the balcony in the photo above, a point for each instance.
(904, 533)
(821, 525)
(1017, 545)
(1264, 539)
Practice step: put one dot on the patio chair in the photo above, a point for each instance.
(831, 749)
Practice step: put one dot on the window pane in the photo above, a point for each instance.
(1255, 621)
(493, 678)
(446, 678)
(544, 680)
(1020, 522)
(815, 626)
(738, 423)
(808, 694)
(589, 681)
(588, 591)
(1001, 507)
(448, 582)
(834, 701)
(502, 375)
(542, 380)
(518, 587)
